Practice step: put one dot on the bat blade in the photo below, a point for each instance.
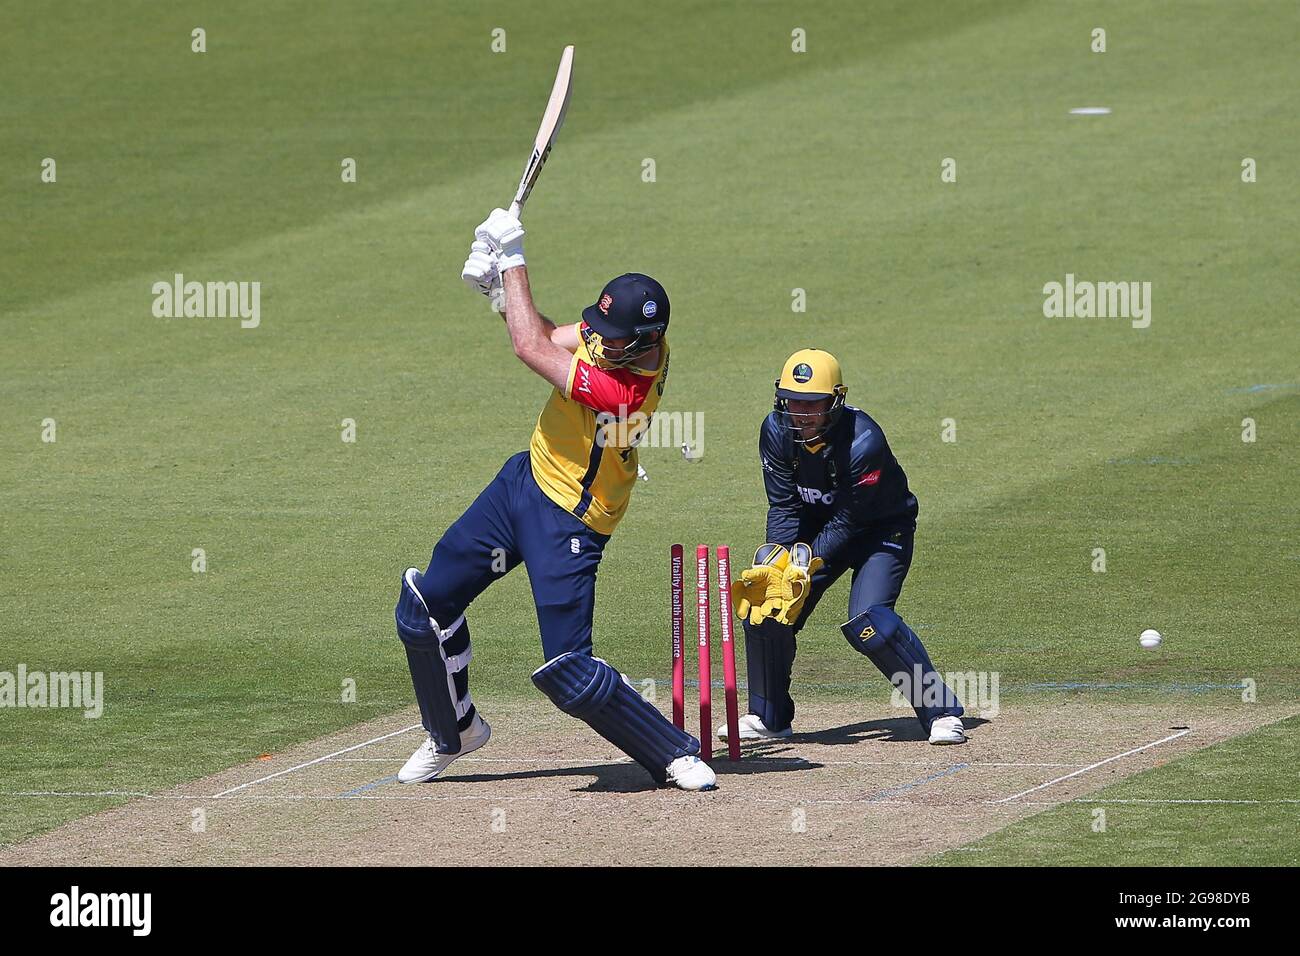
(552, 120)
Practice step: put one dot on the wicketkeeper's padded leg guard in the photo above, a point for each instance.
(769, 659)
(439, 662)
(591, 690)
(897, 652)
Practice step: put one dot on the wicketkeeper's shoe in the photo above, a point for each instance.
(692, 773)
(426, 763)
(753, 728)
(947, 730)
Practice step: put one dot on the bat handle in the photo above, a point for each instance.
(516, 208)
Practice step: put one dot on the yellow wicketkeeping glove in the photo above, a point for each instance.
(796, 579)
(760, 589)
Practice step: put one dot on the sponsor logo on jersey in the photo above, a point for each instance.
(870, 478)
(584, 375)
(815, 496)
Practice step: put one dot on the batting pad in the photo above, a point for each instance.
(439, 663)
(591, 690)
(898, 653)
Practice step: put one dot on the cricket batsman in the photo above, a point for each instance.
(837, 502)
(553, 509)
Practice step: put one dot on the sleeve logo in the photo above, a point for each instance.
(870, 478)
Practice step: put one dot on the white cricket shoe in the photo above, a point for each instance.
(947, 730)
(426, 763)
(753, 728)
(692, 773)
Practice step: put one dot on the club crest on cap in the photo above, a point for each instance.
(802, 373)
(649, 309)
(605, 302)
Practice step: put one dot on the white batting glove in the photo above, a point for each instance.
(482, 272)
(504, 234)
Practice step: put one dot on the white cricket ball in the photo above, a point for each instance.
(1150, 638)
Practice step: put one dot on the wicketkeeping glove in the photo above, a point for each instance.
(759, 591)
(797, 582)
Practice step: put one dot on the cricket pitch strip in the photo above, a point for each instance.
(858, 785)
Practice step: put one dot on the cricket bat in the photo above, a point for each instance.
(552, 120)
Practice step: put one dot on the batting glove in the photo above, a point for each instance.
(504, 235)
(482, 272)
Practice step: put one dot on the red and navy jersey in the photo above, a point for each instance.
(830, 494)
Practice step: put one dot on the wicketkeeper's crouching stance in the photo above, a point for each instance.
(831, 481)
(553, 508)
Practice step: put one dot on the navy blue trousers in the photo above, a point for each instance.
(879, 563)
(512, 521)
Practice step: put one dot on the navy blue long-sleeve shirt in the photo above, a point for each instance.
(849, 486)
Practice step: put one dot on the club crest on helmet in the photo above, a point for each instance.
(633, 310)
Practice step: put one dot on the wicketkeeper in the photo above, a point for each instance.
(553, 508)
(837, 502)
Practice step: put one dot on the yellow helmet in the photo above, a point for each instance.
(810, 374)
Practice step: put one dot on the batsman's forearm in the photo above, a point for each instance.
(525, 323)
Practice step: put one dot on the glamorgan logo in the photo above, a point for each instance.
(76, 908)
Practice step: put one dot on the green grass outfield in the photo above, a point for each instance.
(774, 171)
(1239, 808)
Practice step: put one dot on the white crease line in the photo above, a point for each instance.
(619, 758)
(895, 763)
(1094, 766)
(79, 793)
(591, 796)
(1172, 800)
(591, 762)
(395, 733)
